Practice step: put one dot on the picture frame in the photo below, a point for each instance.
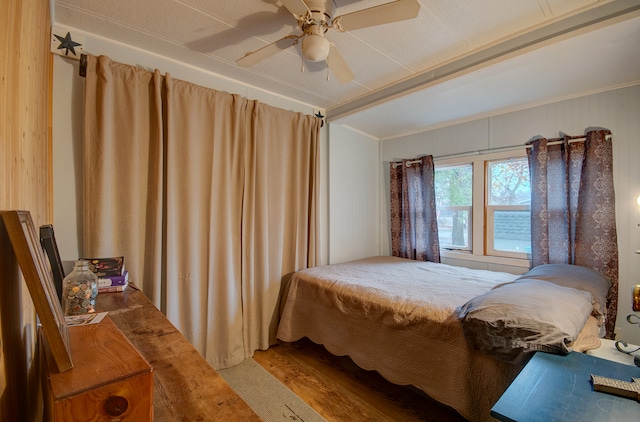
(39, 280)
(48, 241)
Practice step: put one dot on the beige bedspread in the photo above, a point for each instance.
(396, 316)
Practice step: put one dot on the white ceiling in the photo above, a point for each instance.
(457, 60)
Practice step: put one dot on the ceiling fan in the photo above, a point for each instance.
(315, 17)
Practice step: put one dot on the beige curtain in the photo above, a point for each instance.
(225, 193)
(122, 174)
(280, 212)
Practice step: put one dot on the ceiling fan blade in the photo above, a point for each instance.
(269, 50)
(385, 13)
(297, 7)
(338, 66)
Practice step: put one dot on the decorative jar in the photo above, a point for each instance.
(79, 290)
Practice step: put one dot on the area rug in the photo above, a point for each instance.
(266, 395)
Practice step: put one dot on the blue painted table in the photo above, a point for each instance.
(559, 388)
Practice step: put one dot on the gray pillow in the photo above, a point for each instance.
(576, 277)
(514, 320)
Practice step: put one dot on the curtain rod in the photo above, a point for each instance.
(494, 150)
(82, 71)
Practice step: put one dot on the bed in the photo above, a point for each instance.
(406, 320)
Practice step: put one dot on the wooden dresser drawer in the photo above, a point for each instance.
(109, 381)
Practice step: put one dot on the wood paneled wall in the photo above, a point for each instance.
(25, 183)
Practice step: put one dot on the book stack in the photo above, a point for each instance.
(112, 276)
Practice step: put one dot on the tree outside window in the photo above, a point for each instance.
(454, 198)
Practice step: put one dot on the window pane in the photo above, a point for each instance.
(454, 185)
(512, 231)
(454, 228)
(509, 182)
(454, 196)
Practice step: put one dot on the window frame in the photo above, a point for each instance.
(481, 249)
(490, 212)
(468, 208)
(490, 242)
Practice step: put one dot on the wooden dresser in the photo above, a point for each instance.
(109, 381)
(185, 386)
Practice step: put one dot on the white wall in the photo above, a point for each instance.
(67, 118)
(354, 205)
(617, 110)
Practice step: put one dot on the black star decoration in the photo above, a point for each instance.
(67, 43)
(319, 115)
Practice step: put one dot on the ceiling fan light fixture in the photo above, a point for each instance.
(315, 48)
(316, 17)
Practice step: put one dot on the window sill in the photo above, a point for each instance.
(514, 262)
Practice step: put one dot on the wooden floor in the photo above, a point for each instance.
(340, 391)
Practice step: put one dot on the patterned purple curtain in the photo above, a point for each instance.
(414, 226)
(573, 208)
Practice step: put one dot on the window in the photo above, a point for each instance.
(454, 195)
(508, 208)
(483, 205)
